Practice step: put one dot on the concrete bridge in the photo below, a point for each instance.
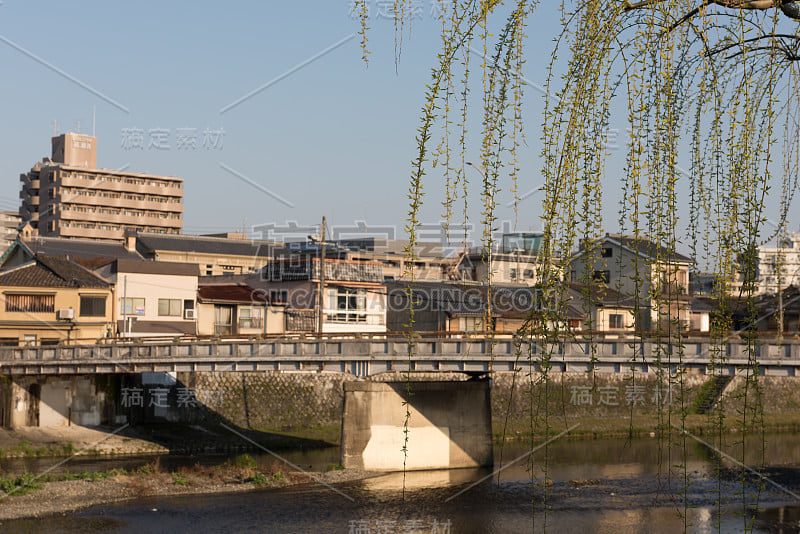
(370, 356)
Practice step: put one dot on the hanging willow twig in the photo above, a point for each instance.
(700, 86)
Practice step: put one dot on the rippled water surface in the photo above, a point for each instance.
(606, 486)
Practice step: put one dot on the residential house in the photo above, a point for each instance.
(153, 298)
(605, 310)
(87, 252)
(51, 300)
(514, 260)
(462, 307)
(213, 255)
(237, 309)
(354, 294)
(700, 310)
(430, 262)
(638, 266)
(779, 267)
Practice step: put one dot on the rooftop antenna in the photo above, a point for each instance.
(78, 126)
(55, 127)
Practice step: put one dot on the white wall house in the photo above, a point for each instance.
(779, 267)
(153, 298)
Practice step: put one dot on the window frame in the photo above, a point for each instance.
(130, 306)
(174, 307)
(97, 298)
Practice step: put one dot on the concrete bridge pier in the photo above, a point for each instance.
(49, 400)
(450, 425)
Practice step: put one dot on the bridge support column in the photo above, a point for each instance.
(14, 402)
(30, 401)
(450, 425)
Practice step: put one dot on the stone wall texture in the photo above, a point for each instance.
(299, 400)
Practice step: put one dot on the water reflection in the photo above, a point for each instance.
(607, 486)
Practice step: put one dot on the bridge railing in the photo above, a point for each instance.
(396, 348)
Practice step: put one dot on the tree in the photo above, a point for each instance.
(710, 94)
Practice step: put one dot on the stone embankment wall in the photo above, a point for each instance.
(297, 400)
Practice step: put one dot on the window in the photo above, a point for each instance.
(93, 306)
(601, 276)
(512, 273)
(250, 318)
(351, 305)
(528, 273)
(132, 306)
(169, 307)
(608, 252)
(615, 320)
(279, 295)
(31, 303)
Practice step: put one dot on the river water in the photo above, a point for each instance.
(606, 486)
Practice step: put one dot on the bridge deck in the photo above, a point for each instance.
(363, 357)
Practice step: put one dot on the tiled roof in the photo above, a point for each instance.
(51, 271)
(648, 248)
(80, 249)
(601, 295)
(149, 244)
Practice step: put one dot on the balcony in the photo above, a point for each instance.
(70, 180)
(91, 233)
(144, 220)
(72, 197)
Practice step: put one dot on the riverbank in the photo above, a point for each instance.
(38, 496)
(68, 441)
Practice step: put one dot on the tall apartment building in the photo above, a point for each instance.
(66, 195)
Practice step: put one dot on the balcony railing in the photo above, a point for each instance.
(377, 318)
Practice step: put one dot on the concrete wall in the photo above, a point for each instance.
(449, 426)
(152, 287)
(75, 400)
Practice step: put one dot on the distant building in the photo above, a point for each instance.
(9, 228)
(429, 262)
(458, 307)
(90, 253)
(214, 256)
(153, 298)
(66, 195)
(51, 300)
(606, 311)
(638, 267)
(236, 309)
(779, 267)
(515, 260)
(354, 294)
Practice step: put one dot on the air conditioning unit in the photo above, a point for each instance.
(67, 314)
(190, 314)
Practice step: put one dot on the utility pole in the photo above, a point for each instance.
(125, 305)
(321, 288)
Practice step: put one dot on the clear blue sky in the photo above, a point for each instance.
(333, 138)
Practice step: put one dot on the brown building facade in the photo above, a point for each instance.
(68, 196)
